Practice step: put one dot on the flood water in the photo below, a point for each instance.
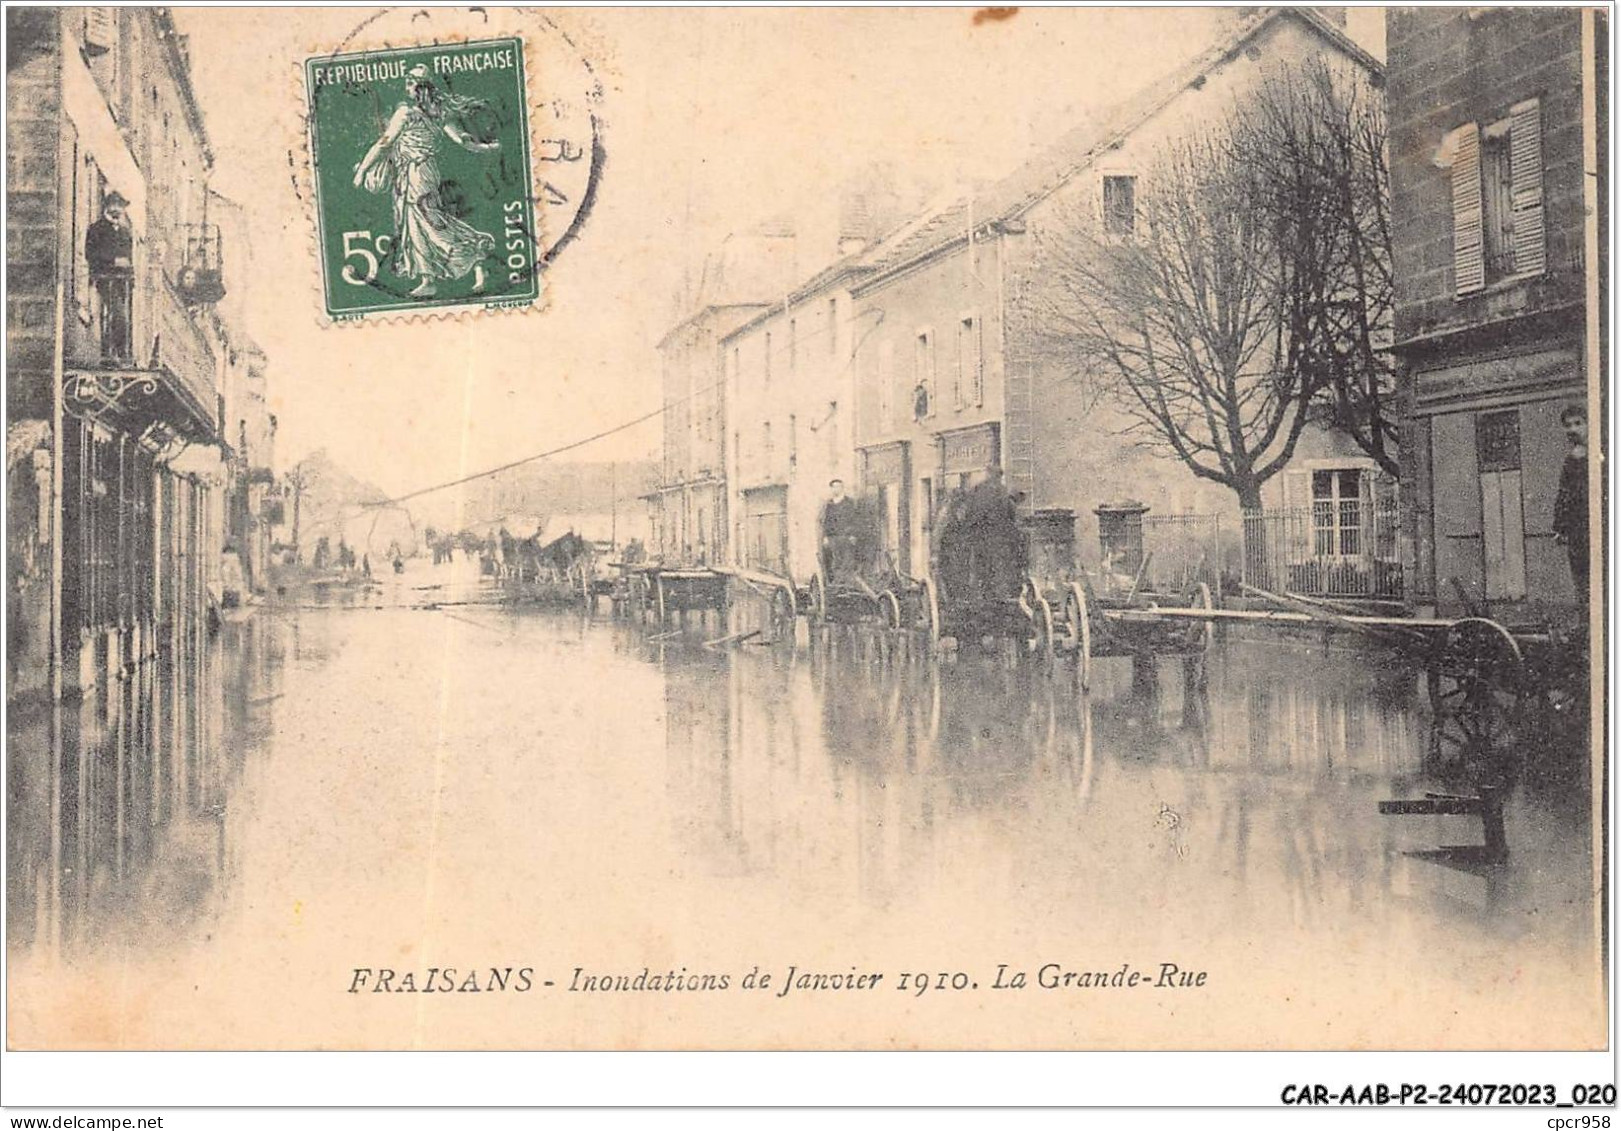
(414, 777)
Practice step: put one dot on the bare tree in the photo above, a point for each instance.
(299, 478)
(1313, 141)
(1183, 321)
(1247, 292)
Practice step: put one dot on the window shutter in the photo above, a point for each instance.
(1525, 173)
(1468, 228)
(100, 30)
(1296, 488)
(979, 362)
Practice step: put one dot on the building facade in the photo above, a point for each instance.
(1492, 319)
(116, 354)
(789, 372)
(689, 507)
(248, 426)
(952, 385)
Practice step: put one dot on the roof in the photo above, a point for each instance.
(1007, 199)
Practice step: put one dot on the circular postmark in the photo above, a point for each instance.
(454, 154)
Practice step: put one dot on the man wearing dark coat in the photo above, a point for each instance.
(839, 532)
(109, 251)
(1570, 505)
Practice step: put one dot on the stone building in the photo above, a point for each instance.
(788, 375)
(248, 426)
(688, 506)
(1496, 323)
(116, 353)
(950, 387)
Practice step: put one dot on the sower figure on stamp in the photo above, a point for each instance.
(1570, 505)
(109, 250)
(429, 243)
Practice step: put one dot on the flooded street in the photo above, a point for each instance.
(418, 778)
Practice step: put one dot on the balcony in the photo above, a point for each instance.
(181, 351)
(201, 278)
(156, 381)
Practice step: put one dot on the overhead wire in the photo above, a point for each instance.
(392, 502)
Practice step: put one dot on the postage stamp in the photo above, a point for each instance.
(424, 191)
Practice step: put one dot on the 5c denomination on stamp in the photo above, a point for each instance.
(424, 196)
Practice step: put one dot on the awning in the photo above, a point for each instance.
(134, 400)
(198, 461)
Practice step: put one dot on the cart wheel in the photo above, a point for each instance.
(1477, 686)
(890, 605)
(782, 613)
(931, 613)
(818, 605)
(1078, 620)
(1040, 612)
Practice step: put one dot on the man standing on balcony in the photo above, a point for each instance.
(109, 250)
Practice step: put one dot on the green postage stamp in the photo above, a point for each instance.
(423, 191)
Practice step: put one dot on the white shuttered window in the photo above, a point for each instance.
(1468, 226)
(1498, 227)
(1525, 161)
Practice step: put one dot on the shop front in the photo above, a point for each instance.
(886, 475)
(764, 533)
(1489, 448)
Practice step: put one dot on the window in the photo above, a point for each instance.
(1119, 205)
(970, 363)
(100, 30)
(1497, 205)
(1497, 219)
(102, 55)
(793, 440)
(833, 327)
(768, 357)
(793, 345)
(1502, 503)
(923, 372)
(1497, 440)
(89, 190)
(765, 446)
(1336, 510)
(886, 387)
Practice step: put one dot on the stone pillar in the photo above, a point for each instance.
(1051, 534)
(1120, 536)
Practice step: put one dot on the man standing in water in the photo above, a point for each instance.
(1570, 505)
(838, 533)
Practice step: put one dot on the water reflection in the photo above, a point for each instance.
(848, 782)
(117, 803)
(1250, 804)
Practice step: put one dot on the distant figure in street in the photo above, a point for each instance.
(323, 553)
(839, 532)
(365, 566)
(1570, 505)
(109, 250)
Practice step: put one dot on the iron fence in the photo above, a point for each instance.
(1328, 549)
(1181, 551)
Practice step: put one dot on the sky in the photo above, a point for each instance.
(714, 120)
